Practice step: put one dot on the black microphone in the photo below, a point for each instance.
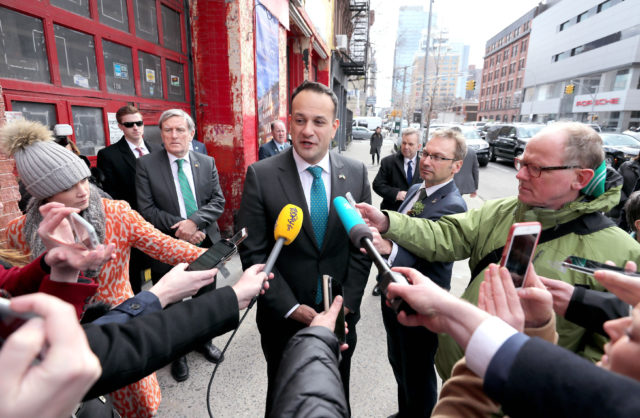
(360, 235)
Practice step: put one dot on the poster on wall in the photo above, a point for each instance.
(267, 71)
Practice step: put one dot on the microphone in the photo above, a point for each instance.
(360, 235)
(286, 230)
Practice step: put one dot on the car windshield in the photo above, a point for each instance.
(470, 133)
(528, 131)
(616, 140)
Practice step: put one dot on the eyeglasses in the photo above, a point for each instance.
(433, 157)
(535, 171)
(130, 124)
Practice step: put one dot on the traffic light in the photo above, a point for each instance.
(568, 89)
(471, 85)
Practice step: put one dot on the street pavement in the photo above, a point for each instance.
(239, 387)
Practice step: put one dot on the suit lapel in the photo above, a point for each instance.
(195, 172)
(127, 154)
(292, 189)
(399, 162)
(439, 194)
(164, 171)
(339, 187)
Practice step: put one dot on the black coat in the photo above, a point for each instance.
(391, 179)
(308, 382)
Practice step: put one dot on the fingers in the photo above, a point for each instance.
(20, 350)
(412, 275)
(630, 267)
(532, 279)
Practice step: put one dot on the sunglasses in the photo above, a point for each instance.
(130, 124)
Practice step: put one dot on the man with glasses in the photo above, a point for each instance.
(561, 176)
(118, 164)
(411, 350)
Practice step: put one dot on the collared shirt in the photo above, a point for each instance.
(133, 147)
(306, 179)
(413, 164)
(281, 147)
(186, 167)
(430, 190)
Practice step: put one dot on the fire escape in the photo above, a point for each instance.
(355, 62)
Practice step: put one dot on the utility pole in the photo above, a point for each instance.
(424, 118)
(404, 81)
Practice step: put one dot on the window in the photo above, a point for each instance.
(585, 15)
(523, 46)
(510, 85)
(497, 59)
(506, 54)
(146, 21)
(561, 56)
(76, 58)
(118, 67)
(150, 75)
(171, 34)
(175, 81)
(503, 72)
(79, 7)
(620, 82)
(604, 5)
(567, 24)
(23, 53)
(521, 64)
(496, 74)
(89, 129)
(512, 68)
(518, 82)
(489, 77)
(45, 113)
(514, 50)
(114, 13)
(494, 89)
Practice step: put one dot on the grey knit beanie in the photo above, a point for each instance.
(44, 167)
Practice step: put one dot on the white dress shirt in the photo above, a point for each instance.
(133, 147)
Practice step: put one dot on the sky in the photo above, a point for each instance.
(471, 22)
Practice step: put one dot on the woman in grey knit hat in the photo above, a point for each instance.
(52, 173)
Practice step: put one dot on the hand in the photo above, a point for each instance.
(185, 229)
(178, 284)
(197, 238)
(373, 217)
(67, 262)
(252, 282)
(536, 301)
(473, 194)
(304, 314)
(57, 383)
(625, 287)
(401, 195)
(561, 292)
(384, 246)
(498, 297)
(328, 318)
(54, 229)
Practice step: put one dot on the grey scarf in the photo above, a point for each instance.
(94, 214)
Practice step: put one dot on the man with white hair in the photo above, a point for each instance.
(179, 193)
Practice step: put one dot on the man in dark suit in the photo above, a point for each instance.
(411, 350)
(309, 176)
(398, 171)
(179, 193)
(277, 144)
(198, 146)
(118, 164)
(468, 178)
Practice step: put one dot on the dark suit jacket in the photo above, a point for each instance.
(118, 164)
(445, 201)
(269, 186)
(158, 199)
(267, 150)
(132, 350)
(545, 380)
(199, 146)
(392, 178)
(468, 178)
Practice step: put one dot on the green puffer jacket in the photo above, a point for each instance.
(478, 232)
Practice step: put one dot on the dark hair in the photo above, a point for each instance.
(317, 88)
(273, 124)
(632, 209)
(126, 110)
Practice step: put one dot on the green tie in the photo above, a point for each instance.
(319, 215)
(190, 205)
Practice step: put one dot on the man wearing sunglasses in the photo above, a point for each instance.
(118, 164)
(561, 185)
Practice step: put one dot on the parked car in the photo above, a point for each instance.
(479, 145)
(619, 148)
(511, 140)
(360, 132)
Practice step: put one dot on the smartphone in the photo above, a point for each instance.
(10, 320)
(83, 232)
(219, 253)
(518, 251)
(587, 266)
(327, 294)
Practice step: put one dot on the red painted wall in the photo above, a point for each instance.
(9, 194)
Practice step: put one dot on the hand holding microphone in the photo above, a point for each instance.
(361, 237)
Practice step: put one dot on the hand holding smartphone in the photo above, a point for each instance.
(10, 320)
(219, 253)
(83, 232)
(327, 294)
(519, 248)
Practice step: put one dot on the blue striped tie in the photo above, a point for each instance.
(319, 214)
(190, 205)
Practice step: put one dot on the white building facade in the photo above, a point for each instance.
(593, 45)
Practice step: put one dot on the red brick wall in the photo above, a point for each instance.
(9, 194)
